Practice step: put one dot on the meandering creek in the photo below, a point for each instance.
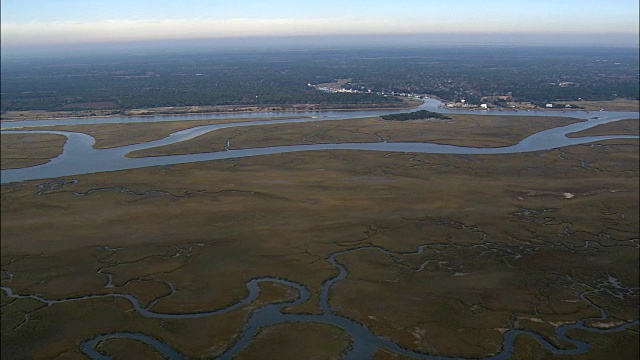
(364, 342)
(79, 157)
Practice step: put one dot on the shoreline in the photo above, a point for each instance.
(180, 111)
(617, 105)
(408, 104)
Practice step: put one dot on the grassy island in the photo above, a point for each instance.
(416, 115)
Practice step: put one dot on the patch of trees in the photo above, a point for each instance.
(416, 115)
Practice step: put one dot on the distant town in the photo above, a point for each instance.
(556, 78)
(489, 102)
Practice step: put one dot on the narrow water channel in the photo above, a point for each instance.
(365, 343)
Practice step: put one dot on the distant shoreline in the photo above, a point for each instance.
(10, 116)
(585, 105)
(407, 104)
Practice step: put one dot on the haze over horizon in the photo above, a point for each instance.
(62, 23)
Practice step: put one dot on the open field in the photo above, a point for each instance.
(610, 105)
(464, 130)
(470, 130)
(622, 127)
(297, 341)
(114, 135)
(24, 150)
(509, 241)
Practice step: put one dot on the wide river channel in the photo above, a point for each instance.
(79, 157)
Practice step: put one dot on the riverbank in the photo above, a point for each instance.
(406, 103)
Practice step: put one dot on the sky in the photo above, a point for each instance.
(561, 22)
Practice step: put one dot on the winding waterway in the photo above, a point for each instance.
(364, 345)
(79, 157)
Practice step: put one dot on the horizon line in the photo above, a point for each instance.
(612, 39)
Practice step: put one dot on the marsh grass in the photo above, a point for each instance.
(503, 244)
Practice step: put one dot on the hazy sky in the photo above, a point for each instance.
(36, 22)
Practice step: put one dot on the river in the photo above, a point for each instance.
(80, 157)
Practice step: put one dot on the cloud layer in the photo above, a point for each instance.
(66, 32)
